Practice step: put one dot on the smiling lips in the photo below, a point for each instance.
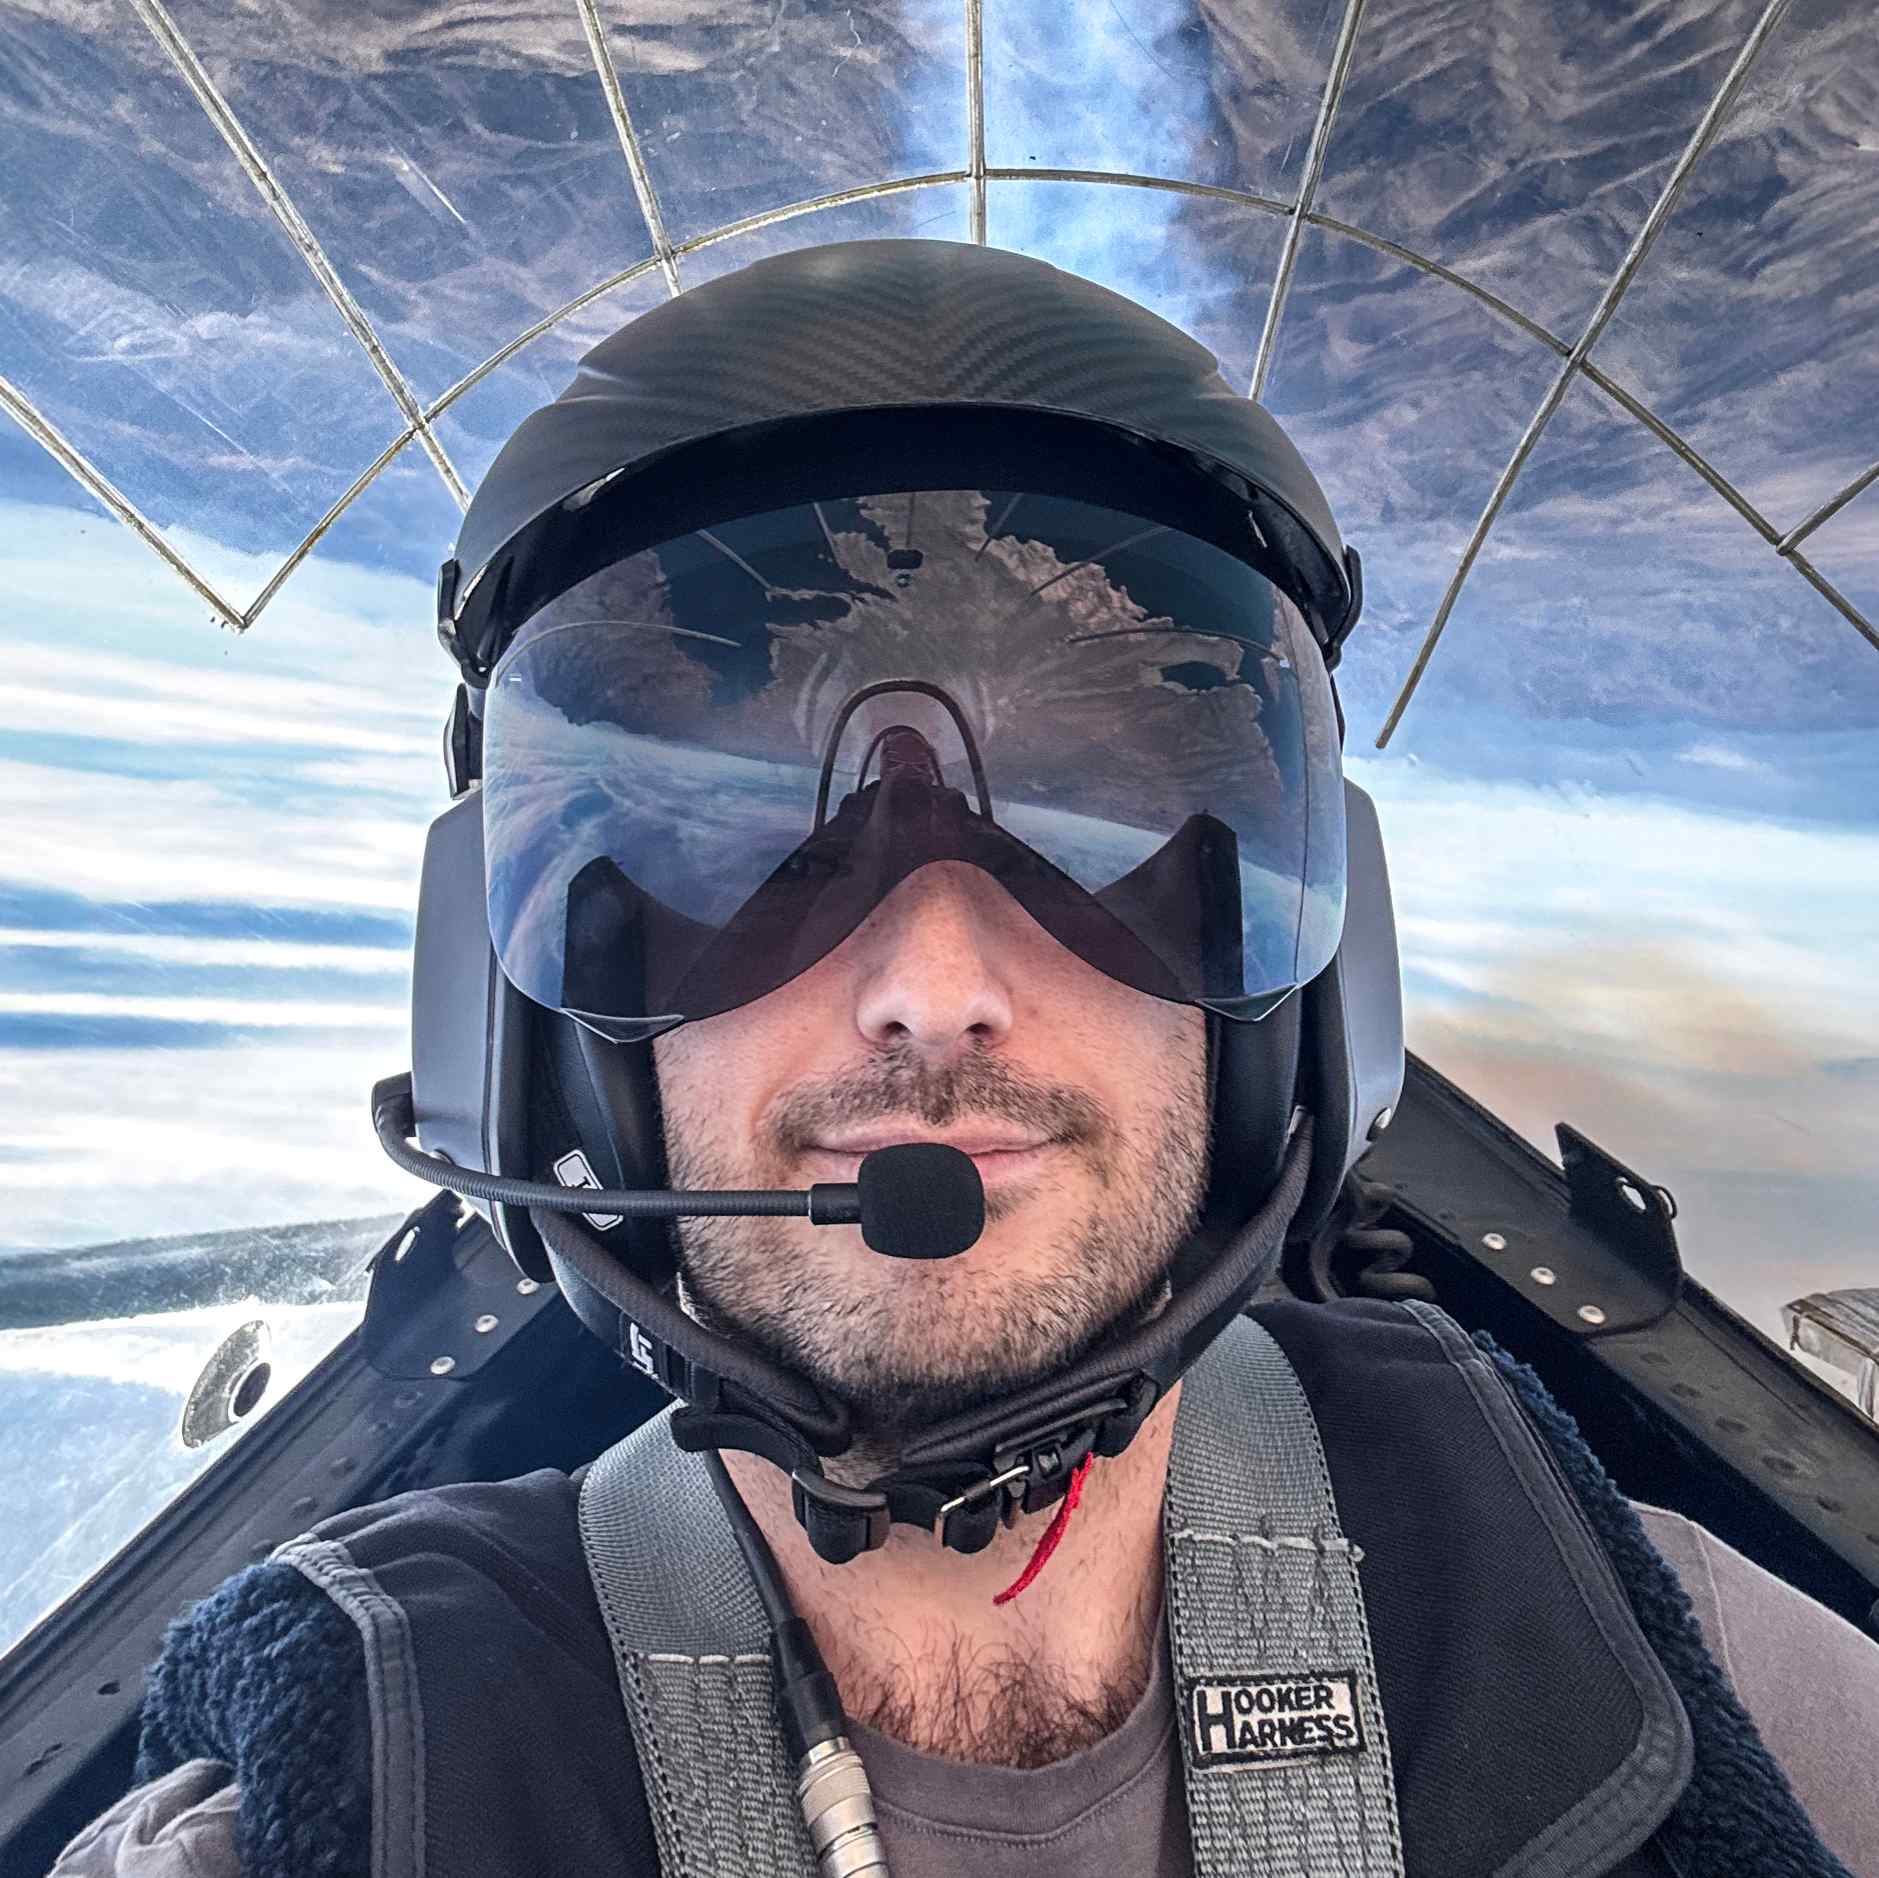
(974, 1144)
(996, 1156)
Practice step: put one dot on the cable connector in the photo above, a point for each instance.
(831, 1783)
(838, 1808)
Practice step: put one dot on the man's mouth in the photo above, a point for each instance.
(999, 1155)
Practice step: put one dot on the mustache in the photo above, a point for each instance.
(937, 1094)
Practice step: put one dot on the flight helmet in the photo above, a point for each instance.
(860, 558)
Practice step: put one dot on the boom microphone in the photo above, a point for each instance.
(918, 1200)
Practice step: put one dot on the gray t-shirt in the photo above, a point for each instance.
(1118, 1806)
(1809, 1679)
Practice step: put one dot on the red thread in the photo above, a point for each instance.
(1048, 1544)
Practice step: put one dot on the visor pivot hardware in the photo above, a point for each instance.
(463, 745)
(1354, 606)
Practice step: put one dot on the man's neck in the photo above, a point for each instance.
(921, 1652)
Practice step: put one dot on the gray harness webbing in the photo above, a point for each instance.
(693, 1652)
(1281, 1724)
(1281, 1727)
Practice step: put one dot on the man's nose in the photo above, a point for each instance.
(932, 970)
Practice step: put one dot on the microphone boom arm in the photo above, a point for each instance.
(394, 1117)
(917, 1200)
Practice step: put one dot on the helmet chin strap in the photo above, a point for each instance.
(974, 1472)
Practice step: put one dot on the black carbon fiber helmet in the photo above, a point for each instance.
(842, 372)
(757, 362)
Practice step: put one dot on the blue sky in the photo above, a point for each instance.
(1633, 812)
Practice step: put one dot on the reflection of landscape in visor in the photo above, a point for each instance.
(656, 736)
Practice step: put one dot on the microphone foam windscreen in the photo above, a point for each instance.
(920, 1200)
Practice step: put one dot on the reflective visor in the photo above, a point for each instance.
(706, 764)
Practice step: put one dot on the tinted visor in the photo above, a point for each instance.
(706, 764)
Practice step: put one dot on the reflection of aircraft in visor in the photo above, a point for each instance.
(1170, 926)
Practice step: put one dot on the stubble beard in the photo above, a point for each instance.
(935, 1340)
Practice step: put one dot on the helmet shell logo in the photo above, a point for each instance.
(574, 1170)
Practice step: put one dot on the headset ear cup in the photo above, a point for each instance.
(1255, 1072)
(1355, 1057)
(1324, 1088)
(598, 1316)
(603, 1098)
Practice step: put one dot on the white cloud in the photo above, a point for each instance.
(1506, 874)
(1684, 987)
(115, 839)
(358, 641)
(117, 1144)
(264, 954)
(111, 651)
(1720, 756)
(273, 1014)
(152, 718)
(148, 699)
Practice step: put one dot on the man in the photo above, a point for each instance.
(963, 771)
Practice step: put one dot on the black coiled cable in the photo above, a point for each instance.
(1353, 1256)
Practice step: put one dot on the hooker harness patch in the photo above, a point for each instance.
(1244, 1721)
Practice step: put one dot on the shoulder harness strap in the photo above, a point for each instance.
(692, 1650)
(1281, 1724)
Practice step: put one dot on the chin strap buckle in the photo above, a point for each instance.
(980, 1518)
(1025, 1476)
(962, 1502)
(1049, 1463)
(1033, 1469)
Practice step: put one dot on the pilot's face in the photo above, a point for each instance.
(949, 1015)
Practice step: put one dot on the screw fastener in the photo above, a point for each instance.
(442, 1365)
(1591, 1313)
(486, 1323)
(1494, 1241)
(1545, 1275)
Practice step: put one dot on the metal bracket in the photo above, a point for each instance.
(445, 1297)
(1590, 1258)
(1624, 1207)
